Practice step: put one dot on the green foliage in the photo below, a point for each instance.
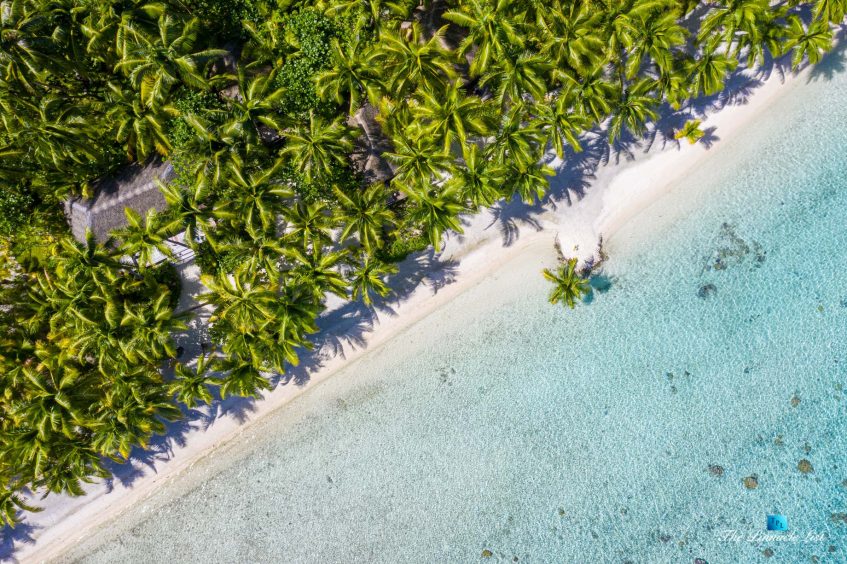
(226, 15)
(17, 204)
(269, 174)
(401, 244)
(310, 34)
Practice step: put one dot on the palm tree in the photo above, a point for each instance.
(256, 199)
(708, 71)
(832, 11)
(656, 38)
(314, 149)
(190, 207)
(570, 37)
(736, 23)
(633, 110)
(140, 128)
(409, 61)
(252, 113)
(691, 131)
(436, 212)
(479, 180)
(367, 278)
(376, 11)
(156, 64)
(494, 31)
(568, 285)
(528, 180)
(451, 115)
(511, 79)
(353, 74)
(366, 213)
(12, 503)
(309, 224)
(72, 258)
(560, 123)
(318, 270)
(142, 237)
(807, 42)
(242, 378)
(418, 159)
(518, 140)
(191, 386)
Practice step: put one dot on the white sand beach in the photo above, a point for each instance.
(604, 201)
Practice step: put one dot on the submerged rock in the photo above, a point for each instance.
(751, 482)
(795, 400)
(836, 517)
(706, 290)
(716, 470)
(805, 466)
(768, 552)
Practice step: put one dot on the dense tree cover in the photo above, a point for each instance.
(254, 102)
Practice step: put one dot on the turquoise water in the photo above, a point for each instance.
(621, 431)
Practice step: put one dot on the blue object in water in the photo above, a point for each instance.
(777, 523)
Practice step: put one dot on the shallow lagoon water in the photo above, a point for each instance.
(626, 430)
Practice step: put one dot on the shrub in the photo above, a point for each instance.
(17, 204)
(402, 244)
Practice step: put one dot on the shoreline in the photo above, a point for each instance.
(620, 192)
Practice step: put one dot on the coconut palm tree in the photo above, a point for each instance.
(190, 207)
(408, 60)
(191, 386)
(12, 503)
(633, 110)
(690, 131)
(560, 123)
(364, 212)
(140, 129)
(418, 158)
(568, 285)
(451, 115)
(494, 31)
(256, 199)
(436, 212)
(512, 79)
(353, 74)
(478, 180)
(708, 71)
(315, 148)
(528, 180)
(309, 225)
(252, 114)
(156, 64)
(142, 237)
(657, 37)
(569, 36)
(242, 378)
(368, 278)
(319, 270)
(807, 42)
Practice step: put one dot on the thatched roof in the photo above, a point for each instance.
(133, 187)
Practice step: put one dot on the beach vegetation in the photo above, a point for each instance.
(569, 285)
(690, 131)
(315, 145)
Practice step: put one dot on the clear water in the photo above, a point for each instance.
(503, 424)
